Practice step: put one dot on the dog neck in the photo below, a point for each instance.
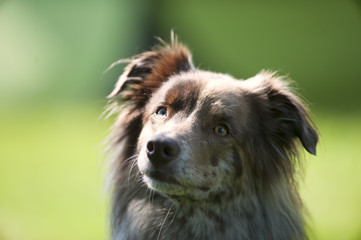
(249, 214)
(253, 213)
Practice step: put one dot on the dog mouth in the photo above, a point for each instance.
(160, 176)
(163, 182)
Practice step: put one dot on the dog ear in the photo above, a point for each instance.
(289, 117)
(147, 71)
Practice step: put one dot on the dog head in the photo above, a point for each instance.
(200, 134)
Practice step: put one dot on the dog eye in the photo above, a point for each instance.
(221, 130)
(162, 112)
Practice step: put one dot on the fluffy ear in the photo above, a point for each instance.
(286, 116)
(148, 70)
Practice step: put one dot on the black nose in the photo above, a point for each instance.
(162, 150)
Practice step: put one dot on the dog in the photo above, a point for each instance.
(202, 155)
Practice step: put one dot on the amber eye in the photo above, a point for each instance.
(162, 112)
(221, 130)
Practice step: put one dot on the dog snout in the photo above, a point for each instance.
(162, 150)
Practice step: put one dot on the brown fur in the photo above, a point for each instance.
(238, 183)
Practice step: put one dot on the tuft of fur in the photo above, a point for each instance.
(254, 191)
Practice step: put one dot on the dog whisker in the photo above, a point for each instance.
(126, 161)
(134, 163)
(165, 218)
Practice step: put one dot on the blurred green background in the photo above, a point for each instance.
(52, 92)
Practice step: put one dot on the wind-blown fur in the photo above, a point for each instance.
(232, 171)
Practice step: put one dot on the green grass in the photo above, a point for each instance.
(332, 188)
(51, 178)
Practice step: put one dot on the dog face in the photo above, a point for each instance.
(189, 145)
(200, 135)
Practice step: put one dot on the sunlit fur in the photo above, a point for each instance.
(242, 185)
